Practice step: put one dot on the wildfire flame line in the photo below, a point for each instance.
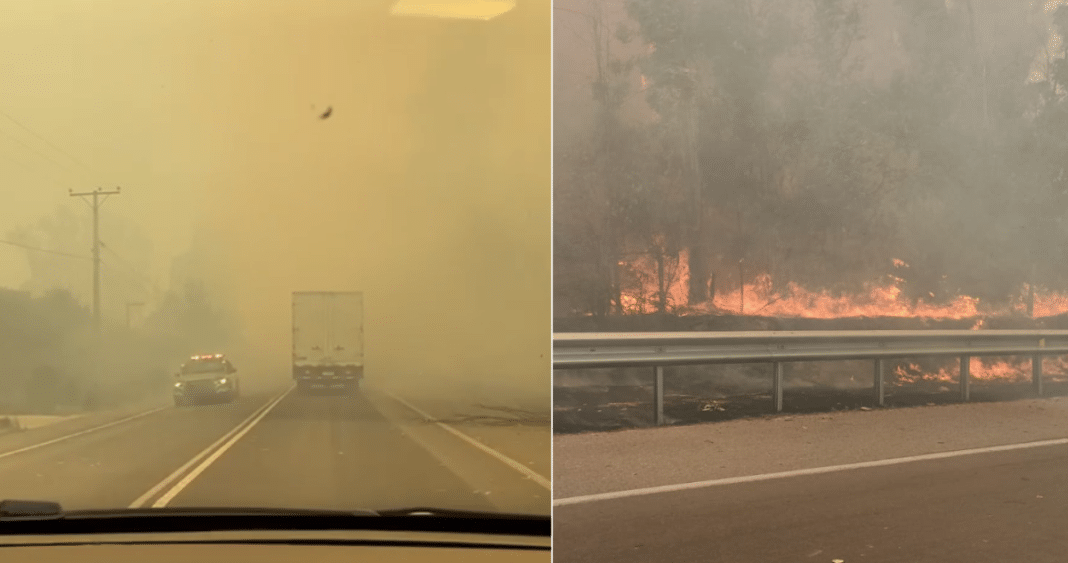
(886, 299)
(983, 370)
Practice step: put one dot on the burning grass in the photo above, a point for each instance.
(600, 399)
(593, 400)
(604, 408)
(642, 285)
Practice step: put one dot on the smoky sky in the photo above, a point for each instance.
(427, 188)
(824, 140)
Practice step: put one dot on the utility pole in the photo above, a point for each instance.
(96, 246)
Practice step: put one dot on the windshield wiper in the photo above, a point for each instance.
(29, 510)
(48, 518)
(17, 510)
(449, 513)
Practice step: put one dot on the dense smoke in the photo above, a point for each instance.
(54, 361)
(830, 148)
(427, 188)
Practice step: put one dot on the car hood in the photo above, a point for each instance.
(49, 518)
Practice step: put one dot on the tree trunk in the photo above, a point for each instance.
(661, 295)
(1031, 301)
(697, 292)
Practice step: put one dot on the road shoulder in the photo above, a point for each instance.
(595, 463)
(488, 476)
(34, 432)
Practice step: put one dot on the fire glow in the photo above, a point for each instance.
(642, 294)
(983, 370)
(757, 297)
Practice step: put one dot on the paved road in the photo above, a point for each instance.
(1007, 506)
(988, 505)
(284, 450)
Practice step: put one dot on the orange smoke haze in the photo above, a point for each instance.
(428, 188)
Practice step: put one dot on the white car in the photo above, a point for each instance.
(210, 378)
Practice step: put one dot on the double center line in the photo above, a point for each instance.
(165, 491)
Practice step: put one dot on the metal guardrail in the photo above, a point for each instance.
(658, 350)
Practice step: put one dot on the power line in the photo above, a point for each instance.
(145, 279)
(28, 247)
(18, 162)
(125, 274)
(121, 260)
(50, 143)
(39, 153)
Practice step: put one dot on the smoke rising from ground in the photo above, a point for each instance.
(816, 144)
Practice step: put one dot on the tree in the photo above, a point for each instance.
(191, 317)
(125, 257)
(969, 209)
(784, 140)
(718, 86)
(598, 185)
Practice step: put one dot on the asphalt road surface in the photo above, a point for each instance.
(1009, 506)
(282, 450)
(968, 483)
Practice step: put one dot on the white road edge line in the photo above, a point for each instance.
(177, 488)
(219, 446)
(530, 473)
(82, 432)
(801, 472)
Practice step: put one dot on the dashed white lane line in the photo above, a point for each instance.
(801, 472)
(528, 472)
(212, 453)
(82, 432)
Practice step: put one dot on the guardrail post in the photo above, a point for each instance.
(776, 387)
(965, 378)
(1036, 374)
(880, 386)
(658, 395)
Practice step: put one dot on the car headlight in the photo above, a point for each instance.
(178, 385)
(222, 381)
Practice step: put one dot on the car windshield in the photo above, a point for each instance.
(347, 199)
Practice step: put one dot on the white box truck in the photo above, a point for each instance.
(328, 340)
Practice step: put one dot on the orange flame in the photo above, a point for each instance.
(886, 299)
(641, 283)
(985, 370)
(877, 301)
